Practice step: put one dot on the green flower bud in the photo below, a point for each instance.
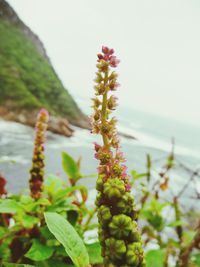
(104, 214)
(97, 115)
(103, 66)
(134, 255)
(102, 237)
(134, 235)
(113, 75)
(114, 188)
(107, 262)
(115, 248)
(100, 89)
(133, 214)
(125, 204)
(98, 201)
(99, 77)
(99, 184)
(120, 226)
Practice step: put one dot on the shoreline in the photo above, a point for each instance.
(16, 144)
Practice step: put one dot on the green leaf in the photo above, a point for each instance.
(44, 230)
(149, 161)
(3, 231)
(29, 221)
(158, 206)
(9, 206)
(137, 175)
(175, 223)
(4, 250)
(54, 263)
(62, 205)
(52, 184)
(29, 204)
(43, 201)
(4, 264)
(24, 199)
(155, 219)
(70, 166)
(155, 258)
(68, 237)
(65, 192)
(196, 258)
(94, 251)
(39, 252)
(188, 237)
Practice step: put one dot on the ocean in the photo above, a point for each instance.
(153, 135)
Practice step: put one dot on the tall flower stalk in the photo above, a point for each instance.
(118, 232)
(37, 170)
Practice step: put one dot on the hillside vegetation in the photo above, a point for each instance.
(27, 78)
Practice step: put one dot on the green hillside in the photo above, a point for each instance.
(27, 79)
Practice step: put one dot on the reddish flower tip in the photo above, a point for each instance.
(44, 112)
(107, 51)
(97, 147)
(114, 61)
(128, 187)
(107, 55)
(100, 56)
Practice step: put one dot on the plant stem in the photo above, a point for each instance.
(104, 109)
(91, 215)
(185, 252)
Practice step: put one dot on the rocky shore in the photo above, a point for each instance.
(58, 125)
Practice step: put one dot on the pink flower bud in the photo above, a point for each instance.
(43, 112)
(114, 61)
(100, 56)
(113, 86)
(107, 51)
(97, 147)
(128, 187)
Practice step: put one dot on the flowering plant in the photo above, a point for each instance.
(118, 232)
(51, 226)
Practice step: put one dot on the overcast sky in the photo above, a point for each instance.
(157, 41)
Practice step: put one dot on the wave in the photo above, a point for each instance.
(148, 140)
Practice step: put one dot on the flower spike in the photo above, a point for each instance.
(118, 232)
(37, 170)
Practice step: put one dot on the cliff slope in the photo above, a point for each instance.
(27, 78)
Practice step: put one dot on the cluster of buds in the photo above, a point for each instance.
(118, 232)
(37, 170)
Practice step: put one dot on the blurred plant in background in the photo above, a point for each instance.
(164, 219)
(37, 170)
